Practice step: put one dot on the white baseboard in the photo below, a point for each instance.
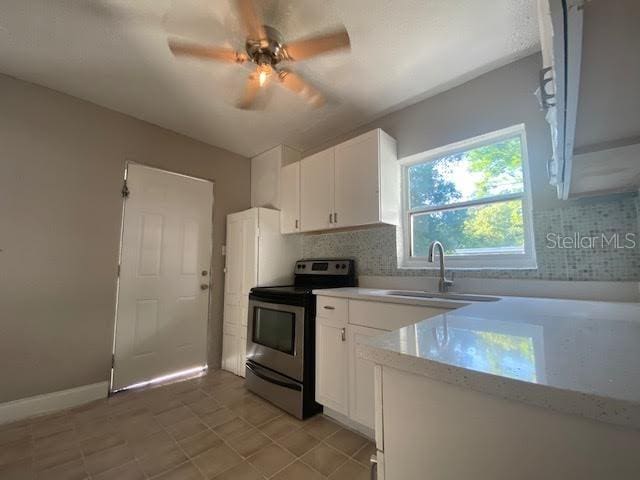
(51, 402)
(350, 424)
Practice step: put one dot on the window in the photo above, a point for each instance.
(473, 197)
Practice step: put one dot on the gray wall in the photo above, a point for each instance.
(495, 100)
(609, 101)
(375, 248)
(61, 163)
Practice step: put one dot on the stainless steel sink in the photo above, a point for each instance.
(461, 297)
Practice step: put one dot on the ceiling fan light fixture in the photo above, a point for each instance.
(262, 78)
(264, 71)
(266, 49)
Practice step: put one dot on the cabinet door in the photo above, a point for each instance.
(229, 341)
(331, 360)
(249, 253)
(241, 267)
(233, 260)
(265, 178)
(316, 191)
(240, 277)
(356, 176)
(361, 377)
(290, 198)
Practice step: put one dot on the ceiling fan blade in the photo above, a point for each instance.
(222, 54)
(251, 88)
(298, 85)
(310, 47)
(251, 20)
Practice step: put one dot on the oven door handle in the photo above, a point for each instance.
(258, 372)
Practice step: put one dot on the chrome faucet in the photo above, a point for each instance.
(444, 283)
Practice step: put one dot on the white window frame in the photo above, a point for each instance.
(497, 261)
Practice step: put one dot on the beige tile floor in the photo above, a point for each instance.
(203, 428)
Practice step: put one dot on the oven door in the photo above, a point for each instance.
(275, 337)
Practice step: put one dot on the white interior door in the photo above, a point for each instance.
(163, 299)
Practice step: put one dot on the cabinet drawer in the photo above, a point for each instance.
(388, 316)
(332, 308)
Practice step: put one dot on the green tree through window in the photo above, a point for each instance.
(471, 201)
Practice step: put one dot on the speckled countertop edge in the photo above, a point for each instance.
(586, 405)
(595, 407)
(368, 294)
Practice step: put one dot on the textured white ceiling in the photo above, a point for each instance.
(114, 53)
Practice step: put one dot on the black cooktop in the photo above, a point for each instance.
(311, 274)
(285, 289)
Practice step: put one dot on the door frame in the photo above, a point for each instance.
(117, 296)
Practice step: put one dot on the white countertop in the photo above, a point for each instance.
(576, 357)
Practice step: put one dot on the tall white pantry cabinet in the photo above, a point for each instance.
(257, 254)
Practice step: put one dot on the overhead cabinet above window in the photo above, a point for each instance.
(353, 184)
(560, 24)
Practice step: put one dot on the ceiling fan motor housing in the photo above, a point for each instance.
(266, 51)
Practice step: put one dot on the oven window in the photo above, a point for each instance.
(274, 329)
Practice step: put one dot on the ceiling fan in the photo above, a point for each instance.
(266, 49)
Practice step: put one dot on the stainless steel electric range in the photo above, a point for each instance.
(281, 337)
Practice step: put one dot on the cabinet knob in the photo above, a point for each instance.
(330, 218)
(329, 307)
(343, 334)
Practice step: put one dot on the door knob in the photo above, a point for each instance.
(204, 286)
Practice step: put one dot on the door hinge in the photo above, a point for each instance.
(118, 270)
(125, 189)
(113, 360)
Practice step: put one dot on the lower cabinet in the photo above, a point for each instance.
(331, 364)
(361, 381)
(345, 382)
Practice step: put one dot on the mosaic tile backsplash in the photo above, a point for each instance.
(375, 249)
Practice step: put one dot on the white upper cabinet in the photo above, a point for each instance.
(266, 190)
(606, 154)
(290, 198)
(352, 184)
(357, 181)
(316, 191)
(561, 43)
